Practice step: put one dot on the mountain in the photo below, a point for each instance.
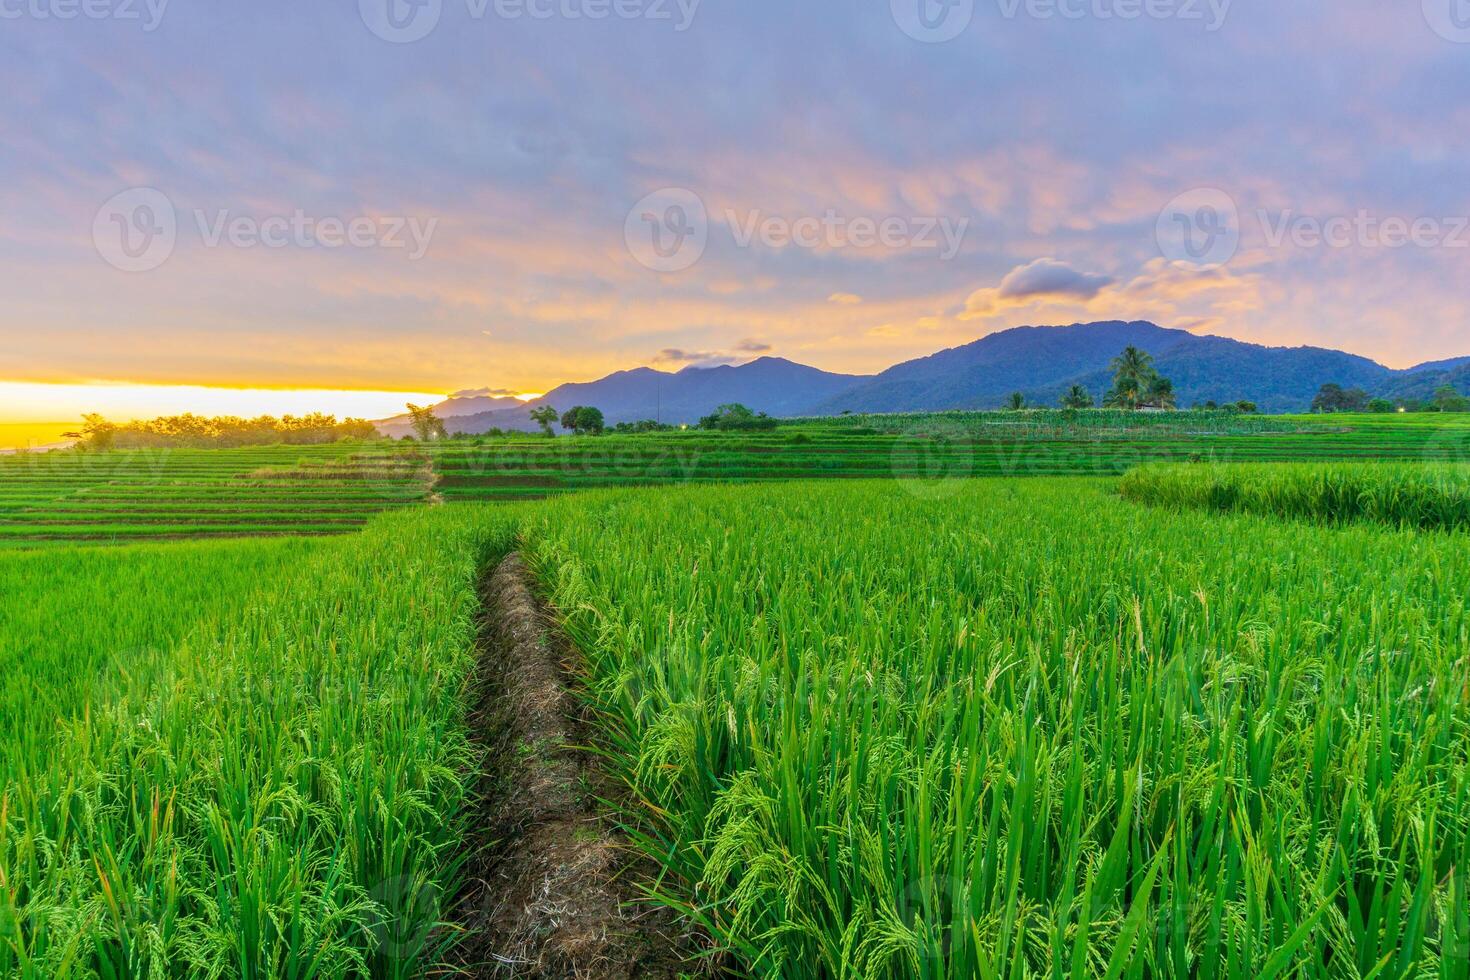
(1421, 384)
(981, 374)
(1445, 365)
(455, 406)
(768, 384)
(1039, 362)
(1043, 362)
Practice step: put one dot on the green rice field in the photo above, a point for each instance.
(861, 717)
(174, 493)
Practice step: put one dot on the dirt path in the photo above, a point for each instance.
(551, 896)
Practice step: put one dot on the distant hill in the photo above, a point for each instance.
(1446, 365)
(1421, 384)
(1043, 362)
(455, 406)
(768, 384)
(1039, 362)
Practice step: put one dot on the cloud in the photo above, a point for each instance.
(693, 358)
(711, 358)
(846, 299)
(484, 393)
(1045, 279)
(1048, 277)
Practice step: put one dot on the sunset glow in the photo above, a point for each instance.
(464, 211)
(48, 403)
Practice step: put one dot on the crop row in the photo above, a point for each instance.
(1030, 729)
(1435, 497)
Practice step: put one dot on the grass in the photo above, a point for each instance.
(921, 447)
(899, 727)
(76, 620)
(277, 789)
(51, 498)
(157, 494)
(1065, 737)
(1434, 497)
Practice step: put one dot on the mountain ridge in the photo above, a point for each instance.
(1041, 362)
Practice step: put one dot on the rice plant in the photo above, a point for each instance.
(278, 790)
(1426, 497)
(1027, 729)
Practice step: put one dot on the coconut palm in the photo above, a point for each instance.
(1132, 365)
(1077, 397)
(1160, 392)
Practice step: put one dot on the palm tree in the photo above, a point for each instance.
(1160, 392)
(1132, 365)
(1077, 397)
(1127, 393)
(1016, 402)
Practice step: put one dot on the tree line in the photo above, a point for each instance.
(1334, 398)
(220, 431)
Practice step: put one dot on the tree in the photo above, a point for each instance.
(1380, 406)
(545, 416)
(98, 432)
(1247, 407)
(1448, 399)
(1133, 365)
(425, 424)
(1160, 393)
(1334, 398)
(1077, 397)
(583, 419)
(1136, 384)
(1016, 401)
(736, 417)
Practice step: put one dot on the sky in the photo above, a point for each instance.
(424, 196)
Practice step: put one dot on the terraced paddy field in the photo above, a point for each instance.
(56, 497)
(857, 729)
(60, 497)
(923, 447)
